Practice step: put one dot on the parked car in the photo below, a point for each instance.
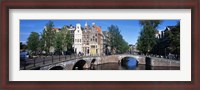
(57, 53)
(24, 55)
(67, 53)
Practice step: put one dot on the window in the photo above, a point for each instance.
(96, 39)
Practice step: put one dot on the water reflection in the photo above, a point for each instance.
(129, 63)
(116, 66)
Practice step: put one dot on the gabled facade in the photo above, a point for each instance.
(92, 40)
(78, 39)
(87, 40)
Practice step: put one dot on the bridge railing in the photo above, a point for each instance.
(48, 60)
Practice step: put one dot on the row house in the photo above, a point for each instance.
(92, 40)
(87, 40)
(78, 39)
(106, 42)
(161, 34)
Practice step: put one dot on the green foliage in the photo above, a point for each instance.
(147, 39)
(67, 40)
(153, 23)
(116, 40)
(48, 36)
(173, 39)
(42, 45)
(33, 41)
(59, 41)
(170, 43)
(23, 46)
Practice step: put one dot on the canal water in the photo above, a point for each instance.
(127, 63)
(130, 64)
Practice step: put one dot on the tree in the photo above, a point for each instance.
(116, 40)
(173, 39)
(147, 39)
(176, 39)
(67, 40)
(23, 46)
(42, 46)
(59, 42)
(170, 43)
(33, 41)
(48, 36)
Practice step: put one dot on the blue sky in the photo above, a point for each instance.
(130, 29)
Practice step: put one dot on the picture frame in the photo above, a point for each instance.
(99, 4)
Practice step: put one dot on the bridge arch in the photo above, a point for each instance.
(93, 60)
(79, 65)
(129, 61)
(121, 57)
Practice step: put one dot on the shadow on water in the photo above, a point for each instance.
(92, 67)
(57, 68)
(148, 63)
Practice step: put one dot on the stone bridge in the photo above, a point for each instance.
(118, 58)
(88, 62)
(84, 62)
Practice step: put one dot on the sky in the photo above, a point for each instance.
(129, 29)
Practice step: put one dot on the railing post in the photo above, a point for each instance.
(43, 60)
(59, 57)
(25, 64)
(52, 58)
(65, 57)
(74, 56)
(34, 62)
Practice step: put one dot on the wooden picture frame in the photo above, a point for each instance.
(99, 4)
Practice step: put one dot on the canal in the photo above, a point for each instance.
(127, 63)
(116, 66)
(130, 64)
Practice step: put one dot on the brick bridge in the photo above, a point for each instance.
(87, 62)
